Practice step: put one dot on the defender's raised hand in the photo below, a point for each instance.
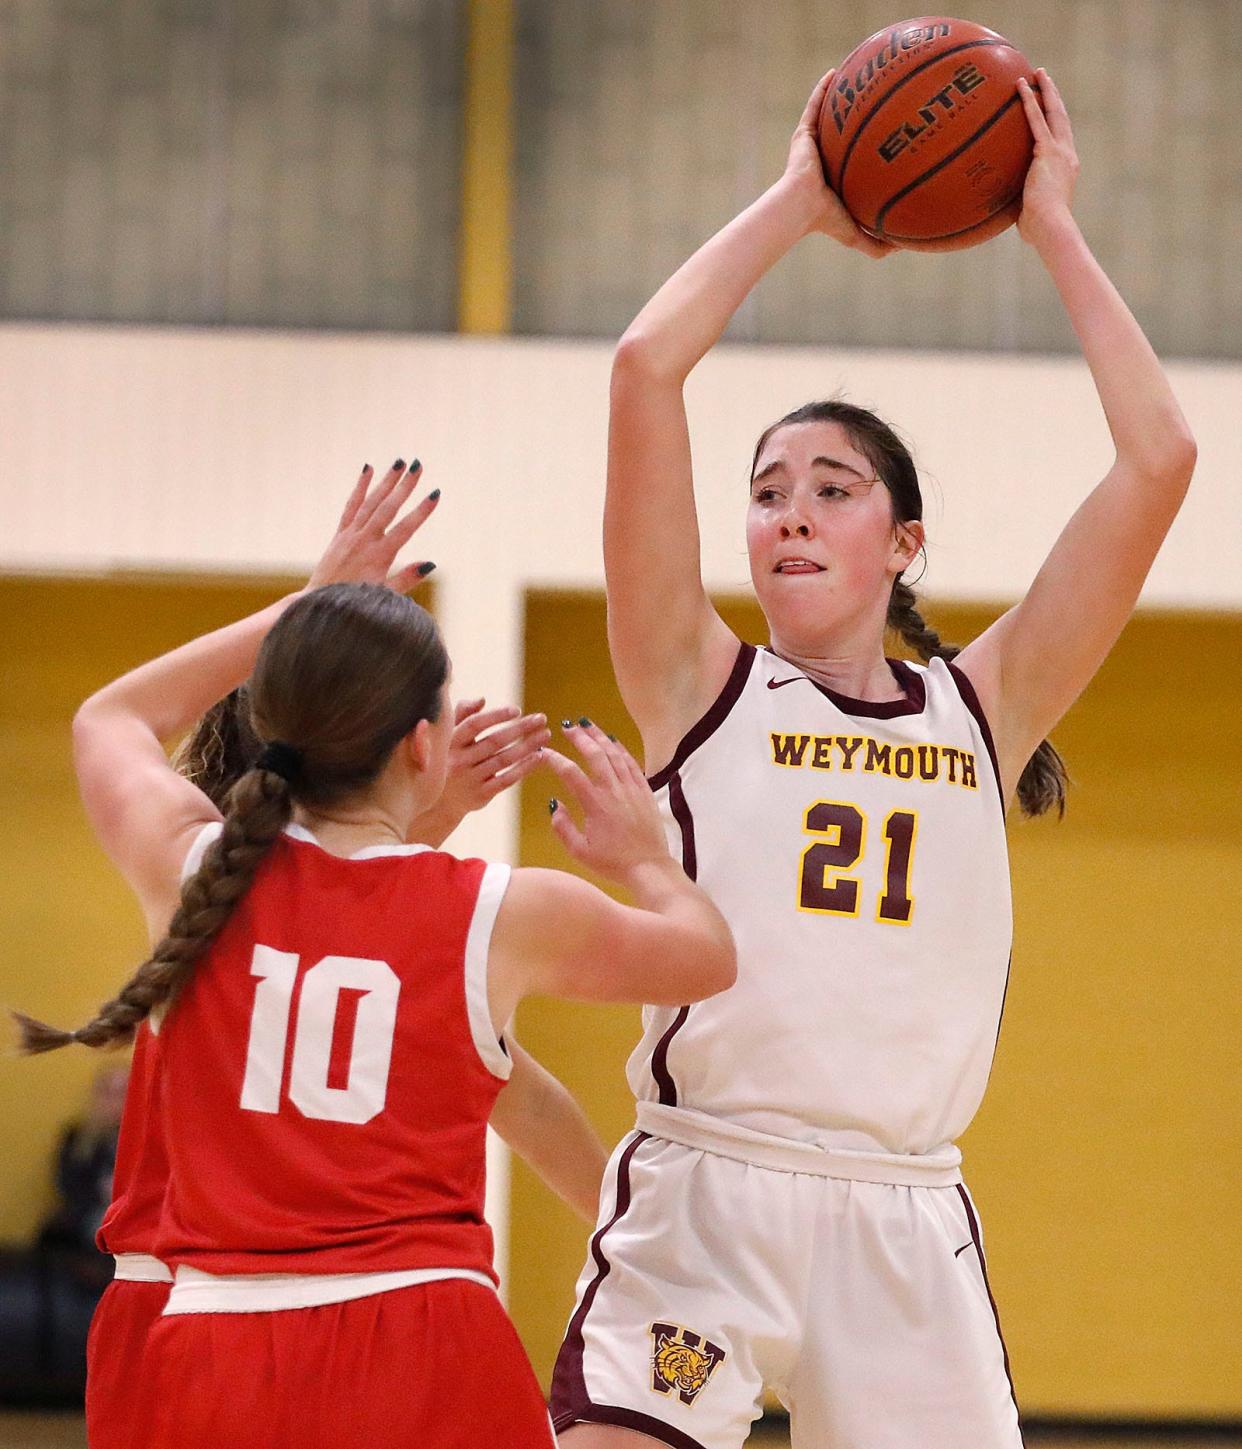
(621, 828)
(370, 533)
(491, 750)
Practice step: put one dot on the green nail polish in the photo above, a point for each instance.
(434, 494)
(584, 722)
(552, 804)
(424, 569)
(613, 738)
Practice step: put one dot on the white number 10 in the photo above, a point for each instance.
(370, 1055)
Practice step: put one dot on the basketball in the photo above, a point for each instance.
(923, 135)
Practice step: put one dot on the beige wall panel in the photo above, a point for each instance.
(1105, 1158)
(641, 128)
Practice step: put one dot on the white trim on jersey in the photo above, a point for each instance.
(478, 944)
(140, 1268)
(194, 1291)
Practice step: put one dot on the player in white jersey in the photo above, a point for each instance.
(789, 1211)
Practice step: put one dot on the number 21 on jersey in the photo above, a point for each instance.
(826, 888)
(336, 1075)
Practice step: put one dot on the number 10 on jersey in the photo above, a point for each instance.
(361, 1085)
(826, 888)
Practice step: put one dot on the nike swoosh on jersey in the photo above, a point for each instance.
(797, 679)
(963, 1248)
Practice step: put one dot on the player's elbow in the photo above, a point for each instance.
(640, 360)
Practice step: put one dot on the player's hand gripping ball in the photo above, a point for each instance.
(923, 134)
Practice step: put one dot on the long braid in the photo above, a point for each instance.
(1042, 784)
(258, 810)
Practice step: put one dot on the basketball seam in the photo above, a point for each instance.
(941, 164)
(889, 94)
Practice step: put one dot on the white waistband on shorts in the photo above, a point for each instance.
(197, 1292)
(784, 1154)
(141, 1268)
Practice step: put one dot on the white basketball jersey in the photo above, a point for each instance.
(858, 852)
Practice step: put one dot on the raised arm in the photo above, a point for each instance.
(142, 810)
(1031, 665)
(670, 649)
(556, 935)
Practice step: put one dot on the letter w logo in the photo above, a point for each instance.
(788, 749)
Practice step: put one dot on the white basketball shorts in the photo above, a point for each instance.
(864, 1306)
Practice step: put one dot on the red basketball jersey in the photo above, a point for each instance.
(329, 1069)
(141, 1173)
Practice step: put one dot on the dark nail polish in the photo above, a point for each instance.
(415, 466)
(567, 724)
(366, 467)
(399, 465)
(584, 722)
(552, 804)
(613, 738)
(434, 494)
(424, 569)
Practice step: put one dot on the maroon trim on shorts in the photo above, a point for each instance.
(973, 1224)
(629, 1419)
(913, 701)
(698, 734)
(971, 700)
(569, 1392)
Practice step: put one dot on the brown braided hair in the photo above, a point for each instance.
(220, 748)
(346, 672)
(1043, 782)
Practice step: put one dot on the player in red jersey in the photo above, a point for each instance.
(491, 750)
(333, 1050)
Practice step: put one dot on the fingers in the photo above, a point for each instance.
(1036, 119)
(810, 115)
(410, 577)
(530, 731)
(566, 831)
(1054, 107)
(512, 775)
(595, 748)
(401, 532)
(376, 495)
(570, 775)
(354, 501)
(479, 722)
(464, 708)
(392, 503)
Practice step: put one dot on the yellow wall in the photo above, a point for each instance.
(1105, 1155)
(1104, 1160)
(69, 930)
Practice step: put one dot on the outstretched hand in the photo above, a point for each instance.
(490, 751)
(804, 172)
(621, 827)
(370, 534)
(1049, 189)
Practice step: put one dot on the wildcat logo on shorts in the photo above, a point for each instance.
(682, 1360)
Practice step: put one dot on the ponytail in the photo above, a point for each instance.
(259, 808)
(1043, 782)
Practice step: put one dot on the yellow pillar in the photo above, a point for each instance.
(485, 277)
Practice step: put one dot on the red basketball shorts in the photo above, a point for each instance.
(437, 1366)
(116, 1395)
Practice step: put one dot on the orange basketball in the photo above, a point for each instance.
(923, 135)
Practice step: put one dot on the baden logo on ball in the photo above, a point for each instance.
(923, 135)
